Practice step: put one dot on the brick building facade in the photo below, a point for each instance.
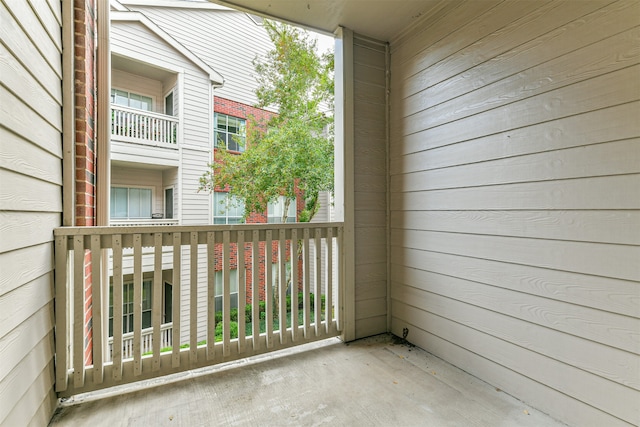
(85, 143)
(243, 111)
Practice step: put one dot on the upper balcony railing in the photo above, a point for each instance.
(142, 222)
(229, 292)
(132, 125)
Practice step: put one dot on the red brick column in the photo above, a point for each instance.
(85, 85)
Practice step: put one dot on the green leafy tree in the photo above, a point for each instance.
(294, 148)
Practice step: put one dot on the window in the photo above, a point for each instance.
(129, 99)
(233, 285)
(130, 203)
(230, 132)
(127, 306)
(275, 275)
(168, 104)
(227, 210)
(276, 209)
(168, 202)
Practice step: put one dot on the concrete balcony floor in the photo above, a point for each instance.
(376, 381)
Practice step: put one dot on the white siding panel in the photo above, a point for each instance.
(30, 206)
(140, 85)
(214, 36)
(26, 229)
(196, 204)
(515, 209)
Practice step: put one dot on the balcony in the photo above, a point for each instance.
(137, 134)
(288, 368)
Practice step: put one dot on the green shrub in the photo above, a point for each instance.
(233, 329)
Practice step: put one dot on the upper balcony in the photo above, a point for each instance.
(138, 134)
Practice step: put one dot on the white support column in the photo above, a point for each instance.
(103, 145)
(344, 171)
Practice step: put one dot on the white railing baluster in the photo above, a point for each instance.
(193, 302)
(177, 253)
(156, 312)
(137, 304)
(255, 289)
(268, 287)
(211, 295)
(282, 285)
(306, 286)
(294, 284)
(226, 295)
(317, 297)
(328, 308)
(117, 308)
(143, 126)
(242, 291)
(79, 311)
(340, 276)
(62, 309)
(96, 306)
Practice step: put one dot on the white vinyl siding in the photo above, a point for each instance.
(139, 85)
(199, 30)
(30, 206)
(515, 169)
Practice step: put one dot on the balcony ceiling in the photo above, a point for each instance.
(383, 20)
(139, 68)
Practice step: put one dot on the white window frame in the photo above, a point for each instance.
(128, 217)
(274, 211)
(129, 93)
(164, 201)
(220, 212)
(233, 287)
(127, 325)
(240, 146)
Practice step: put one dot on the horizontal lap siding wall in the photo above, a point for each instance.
(30, 206)
(515, 198)
(214, 35)
(370, 161)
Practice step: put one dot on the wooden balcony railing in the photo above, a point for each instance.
(236, 291)
(132, 125)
